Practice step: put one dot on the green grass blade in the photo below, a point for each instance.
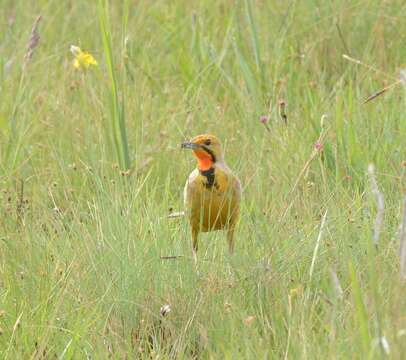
(117, 110)
(361, 313)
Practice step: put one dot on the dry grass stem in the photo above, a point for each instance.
(379, 203)
(402, 250)
(316, 247)
(337, 286)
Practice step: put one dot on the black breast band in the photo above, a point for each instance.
(209, 175)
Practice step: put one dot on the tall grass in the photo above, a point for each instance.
(88, 256)
(117, 124)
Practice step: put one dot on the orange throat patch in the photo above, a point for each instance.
(204, 159)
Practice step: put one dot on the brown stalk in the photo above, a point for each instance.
(33, 41)
(380, 92)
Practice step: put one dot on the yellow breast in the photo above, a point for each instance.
(212, 204)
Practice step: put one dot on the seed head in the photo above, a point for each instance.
(264, 119)
(318, 146)
(33, 41)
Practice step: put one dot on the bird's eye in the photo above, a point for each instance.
(207, 142)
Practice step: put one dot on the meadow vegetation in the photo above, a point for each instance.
(91, 167)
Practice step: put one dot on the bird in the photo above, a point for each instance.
(212, 193)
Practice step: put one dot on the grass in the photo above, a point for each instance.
(90, 165)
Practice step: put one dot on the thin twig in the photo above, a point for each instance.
(370, 67)
(380, 92)
(173, 257)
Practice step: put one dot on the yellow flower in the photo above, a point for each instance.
(82, 58)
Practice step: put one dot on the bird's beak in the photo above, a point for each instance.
(189, 145)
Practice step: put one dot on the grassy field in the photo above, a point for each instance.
(91, 166)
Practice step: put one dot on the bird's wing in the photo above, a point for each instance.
(233, 183)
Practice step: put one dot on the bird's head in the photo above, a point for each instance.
(207, 150)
